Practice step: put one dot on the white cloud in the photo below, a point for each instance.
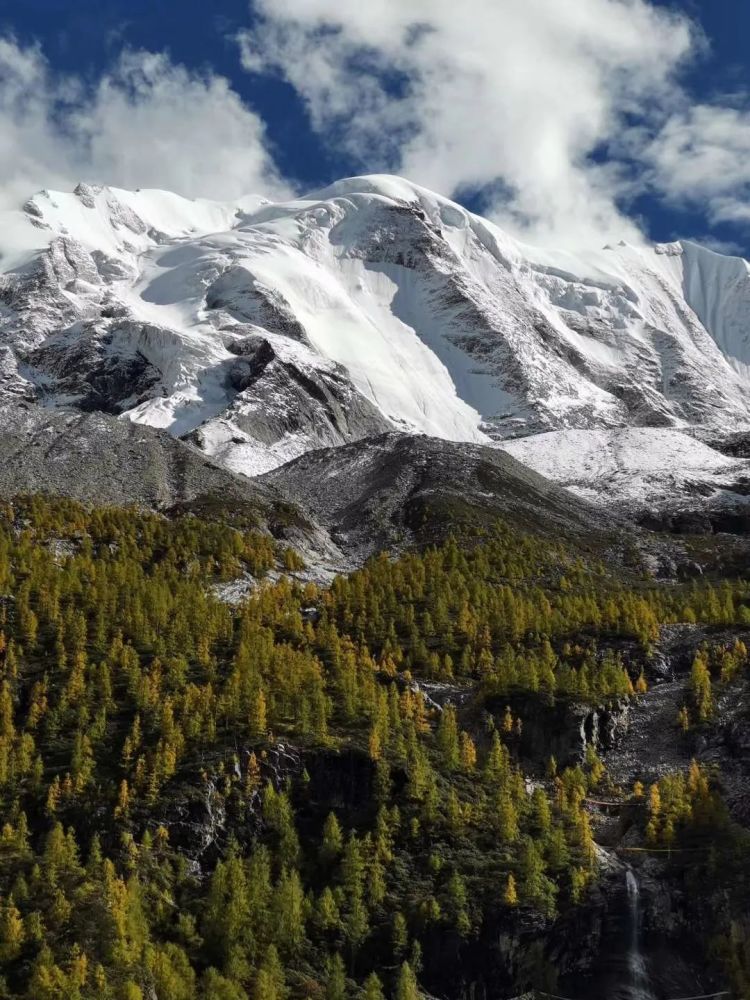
(557, 112)
(514, 96)
(702, 157)
(148, 123)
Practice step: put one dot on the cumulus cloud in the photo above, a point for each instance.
(558, 114)
(701, 157)
(147, 123)
(518, 98)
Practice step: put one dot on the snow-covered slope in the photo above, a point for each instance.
(259, 331)
(641, 468)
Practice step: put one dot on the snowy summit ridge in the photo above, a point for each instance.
(260, 331)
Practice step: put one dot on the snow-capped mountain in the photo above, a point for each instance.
(260, 331)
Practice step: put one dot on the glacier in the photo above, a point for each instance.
(259, 331)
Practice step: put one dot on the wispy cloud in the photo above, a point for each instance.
(701, 157)
(557, 114)
(517, 96)
(147, 123)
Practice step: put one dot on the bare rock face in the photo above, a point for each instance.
(280, 408)
(237, 292)
(93, 371)
(94, 458)
(397, 490)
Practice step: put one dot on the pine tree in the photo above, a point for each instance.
(278, 813)
(123, 800)
(270, 979)
(48, 981)
(336, 979)
(288, 911)
(496, 766)
(327, 914)
(12, 931)
(373, 988)
(538, 890)
(399, 934)
(252, 777)
(258, 720)
(542, 812)
(459, 900)
(214, 986)
(406, 987)
(507, 723)
(53, 797)
(683, 719)
(333, 840)
(594, 765)
(700, 684)
(447, 738)
(468, 753)
(356, 922)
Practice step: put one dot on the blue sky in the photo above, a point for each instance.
(320, 94)
(86, 36)
(723, 68)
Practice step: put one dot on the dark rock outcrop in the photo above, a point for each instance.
(396, 490)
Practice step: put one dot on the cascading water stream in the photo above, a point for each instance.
(639, 987)
(629, 964)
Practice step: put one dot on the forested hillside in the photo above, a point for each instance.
(317, 792)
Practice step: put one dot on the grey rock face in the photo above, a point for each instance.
(250, 301)
(275, 398)
(93, 372)
(395, 490)
(95, 458)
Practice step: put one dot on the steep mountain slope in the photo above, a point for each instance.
(336, 506)
(261, 331)
(95, 458)
(399, 490)
(99, 460)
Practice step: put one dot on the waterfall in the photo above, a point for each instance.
(639, 987)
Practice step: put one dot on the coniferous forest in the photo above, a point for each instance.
(326, 791)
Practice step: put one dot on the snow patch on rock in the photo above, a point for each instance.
(637, 467)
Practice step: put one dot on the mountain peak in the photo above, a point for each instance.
(388, 186)
(263, 330)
